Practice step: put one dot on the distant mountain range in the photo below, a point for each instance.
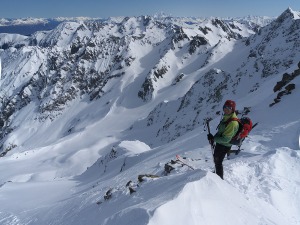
(27, 26)
(89, 58)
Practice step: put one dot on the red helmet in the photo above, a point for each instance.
(231, 104)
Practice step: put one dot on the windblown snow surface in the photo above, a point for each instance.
(260, 186)
(83, 177)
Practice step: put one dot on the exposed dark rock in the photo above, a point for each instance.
(147, 90)
(196, 42)
(205, 30)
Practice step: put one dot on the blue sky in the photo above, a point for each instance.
(107, 8)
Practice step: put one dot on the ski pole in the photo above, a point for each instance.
(207, 120)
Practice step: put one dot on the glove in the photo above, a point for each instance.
(210, 138)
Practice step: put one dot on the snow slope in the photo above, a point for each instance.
(79, 166)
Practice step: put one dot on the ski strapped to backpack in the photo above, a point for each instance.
(245, 126)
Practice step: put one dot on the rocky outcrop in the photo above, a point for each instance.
(286, 84)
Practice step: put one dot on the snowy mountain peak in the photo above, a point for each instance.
(288, 14)
(294, 13)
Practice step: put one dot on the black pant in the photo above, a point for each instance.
(219, 155)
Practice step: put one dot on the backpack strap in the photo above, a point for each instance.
(232, 119)
(228, 121)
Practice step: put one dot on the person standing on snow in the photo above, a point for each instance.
(226, 131)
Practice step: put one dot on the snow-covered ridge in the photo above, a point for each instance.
(27, 26)
(88, 59)
(262, 21)
(34, 21)
(94, 112)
